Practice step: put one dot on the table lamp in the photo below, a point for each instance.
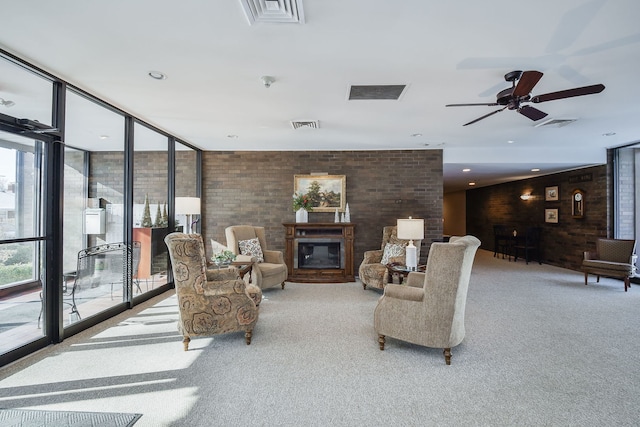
(188, 206)
(410, 229)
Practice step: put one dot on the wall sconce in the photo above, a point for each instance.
(525, 196)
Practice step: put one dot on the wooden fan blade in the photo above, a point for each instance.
(527, 81)
(569, 93)
(490, 104)
(532, 113)
(484, 117)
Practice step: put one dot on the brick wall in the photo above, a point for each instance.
(563, 243)
(241, 187)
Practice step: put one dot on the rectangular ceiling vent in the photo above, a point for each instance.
(273, 11)
(305, 124)
(376, 92)
(558, 123)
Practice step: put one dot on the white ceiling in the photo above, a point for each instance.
(456, 52)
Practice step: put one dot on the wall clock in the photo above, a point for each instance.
(577, 203)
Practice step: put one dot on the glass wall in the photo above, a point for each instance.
(105, 195)
(627, 191)
(186, 186)
(21, 290)
(150, 195)
(95, 253)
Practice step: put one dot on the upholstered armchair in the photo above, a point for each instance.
(373, 269)
(249, 242)
(429, 310)
(209, 303)
(612, 258)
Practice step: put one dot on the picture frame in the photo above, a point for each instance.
(551, 194)
(327, 192)
(551, 216)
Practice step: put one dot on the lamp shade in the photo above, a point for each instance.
(410, 229)
(187, 205)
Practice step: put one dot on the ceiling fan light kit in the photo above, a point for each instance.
(512, 98)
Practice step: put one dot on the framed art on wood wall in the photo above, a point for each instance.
(551, 215)
(327, 192)
(551, 194)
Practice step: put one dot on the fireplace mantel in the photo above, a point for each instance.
(321, 232)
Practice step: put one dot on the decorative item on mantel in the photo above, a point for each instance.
(302, 207)
(347, 214)
(337, 217)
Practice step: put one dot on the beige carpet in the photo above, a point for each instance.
(541, 349)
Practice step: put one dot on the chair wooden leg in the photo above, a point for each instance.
(627, 283)
(282, 285)
(381, 341)
(185, 343)
(364, 286)
(447, 355)
(585, 278)
(247, 336)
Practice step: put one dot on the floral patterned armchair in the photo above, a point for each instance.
(373, 272)
(210, 302)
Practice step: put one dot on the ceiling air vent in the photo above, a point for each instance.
(376, 92)
(273, 11)
(558, 123)
(305, 124)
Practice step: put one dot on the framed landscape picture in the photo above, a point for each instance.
(551, 215)
(327, 192)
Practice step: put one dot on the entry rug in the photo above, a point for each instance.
(37, 418)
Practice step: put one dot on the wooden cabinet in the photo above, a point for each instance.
(319, 252)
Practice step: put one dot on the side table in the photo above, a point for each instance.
(243, 268)
(402, 271)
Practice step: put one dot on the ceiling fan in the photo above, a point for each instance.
(513, 97)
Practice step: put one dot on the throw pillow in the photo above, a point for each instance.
(252, 248)
(392, 251)
(217, 247)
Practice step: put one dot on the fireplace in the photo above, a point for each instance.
(318, 253)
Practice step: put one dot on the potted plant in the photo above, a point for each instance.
(223, 258)
(302, 206)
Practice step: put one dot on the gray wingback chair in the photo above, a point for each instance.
(210, 302)
(372, 272)
(612, 258)
(272, 271)
(430, 309)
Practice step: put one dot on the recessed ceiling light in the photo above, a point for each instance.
(472, 183)
(104, 136)
(510, 142)
(157, 75)
(535, 170)
(466, 170)
(415, 135)
(232, 136)
(608, 134)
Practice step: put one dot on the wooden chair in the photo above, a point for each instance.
(529, 244)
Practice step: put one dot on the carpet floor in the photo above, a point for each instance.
(541, 349)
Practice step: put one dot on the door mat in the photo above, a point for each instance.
(37, 418)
